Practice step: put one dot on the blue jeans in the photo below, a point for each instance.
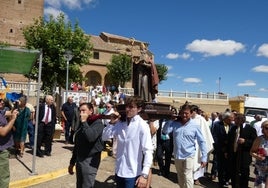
(125, 182)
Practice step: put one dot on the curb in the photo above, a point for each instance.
(37, 179)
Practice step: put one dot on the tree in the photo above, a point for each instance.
(119, 70)
(54, 37)
(162, 71)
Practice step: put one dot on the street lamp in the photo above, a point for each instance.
(68, 56)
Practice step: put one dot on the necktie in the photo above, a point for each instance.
(47, 114)
(236, 138)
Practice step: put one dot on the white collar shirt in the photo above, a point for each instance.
(134, 147)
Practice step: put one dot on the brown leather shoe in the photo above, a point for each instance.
(197, 182)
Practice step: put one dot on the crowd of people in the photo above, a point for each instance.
(17, 120)
(189, 138)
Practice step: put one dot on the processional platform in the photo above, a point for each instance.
(150, 111)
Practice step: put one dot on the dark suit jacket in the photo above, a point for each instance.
(220, 137)
(42, 113)
(249, 134)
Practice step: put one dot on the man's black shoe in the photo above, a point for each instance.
(40, 155)
(48, 154)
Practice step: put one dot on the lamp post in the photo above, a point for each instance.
(68, 56)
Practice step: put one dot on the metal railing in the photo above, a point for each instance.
(192, 95)
(25, 87)
(33, 86)
(182, 94)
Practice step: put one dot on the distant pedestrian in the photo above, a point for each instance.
(67, 112)
(46, 126)
(76, 120)
(21, 126)
(31, 124)
(88, 146)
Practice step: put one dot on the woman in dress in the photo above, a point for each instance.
(259, 151)
(21, 125)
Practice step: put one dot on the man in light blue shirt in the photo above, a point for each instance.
(185, 134)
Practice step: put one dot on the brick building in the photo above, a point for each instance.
(15, 14)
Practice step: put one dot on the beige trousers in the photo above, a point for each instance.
(184, 168)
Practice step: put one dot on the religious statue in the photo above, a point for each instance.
(145, 77)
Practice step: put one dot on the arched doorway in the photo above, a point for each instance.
(93, 78)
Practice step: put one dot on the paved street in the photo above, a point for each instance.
(52, 171)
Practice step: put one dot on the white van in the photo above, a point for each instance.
(254, 106)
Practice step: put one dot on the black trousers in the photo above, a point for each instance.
(238, 170)
(223, 175)
(45, 135)
(164, 148)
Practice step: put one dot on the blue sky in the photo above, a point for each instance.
(208, 46)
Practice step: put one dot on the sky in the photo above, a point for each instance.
(209, 46)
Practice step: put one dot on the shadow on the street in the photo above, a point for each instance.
(68, 147)
(108, 183)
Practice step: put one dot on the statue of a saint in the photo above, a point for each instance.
(145, 77)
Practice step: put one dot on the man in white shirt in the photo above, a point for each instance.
(134, 146)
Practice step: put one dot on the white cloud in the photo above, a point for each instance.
(215, 47)
(177, 56)
(261, 68)
(172, 56)
(263, 50)
(263, 89)
(53, 3)
(71, 4)
(169, 67)
(54, 12)
(192, 80)
(170, 75)
(247, 83)
(185, 56)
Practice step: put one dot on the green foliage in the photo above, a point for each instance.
(162, 71)
(54, 37)
(119, 70)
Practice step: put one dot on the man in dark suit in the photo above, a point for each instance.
(240, 140)
(46, 126)
(220, 135)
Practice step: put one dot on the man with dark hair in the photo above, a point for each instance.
(88, 146)
(186, 132)
(240, 140)
(134, 146)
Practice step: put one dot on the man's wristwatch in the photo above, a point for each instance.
(145, 176)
